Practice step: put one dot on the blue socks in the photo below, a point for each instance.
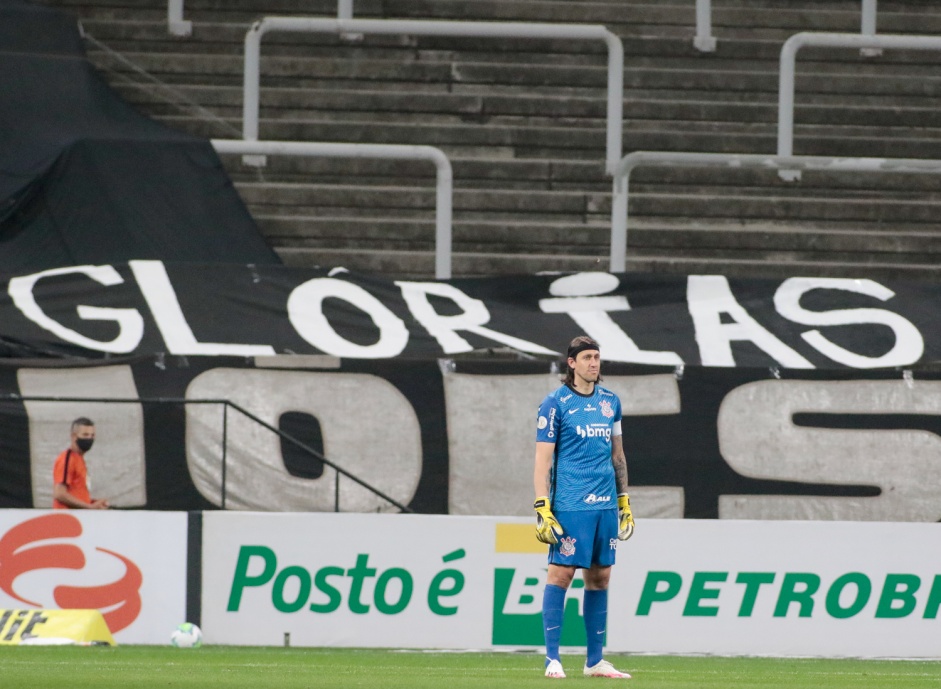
(553, 602)
(596, 620)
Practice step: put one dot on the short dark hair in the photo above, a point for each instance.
(576, 346)
(82, 421)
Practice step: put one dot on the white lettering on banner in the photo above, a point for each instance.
(256, 477)
(708, 297)
(129, 321)
(157, 290)
(489, 420)
(117, 465)
(759, 439)
(305, 311)
(909, 344)
(576, 295)
(472, 319)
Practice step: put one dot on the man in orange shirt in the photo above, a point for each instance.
(70, 474)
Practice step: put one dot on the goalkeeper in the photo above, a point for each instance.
(582, 506)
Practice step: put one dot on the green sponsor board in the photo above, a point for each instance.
(517, 610)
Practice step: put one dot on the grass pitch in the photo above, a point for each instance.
(229, 667)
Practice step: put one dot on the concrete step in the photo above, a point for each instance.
(814, 78)
(522, 140)
(746, 46)
(226, 101)
(569, 173)
(419, 265)
(558, 237)
(795, 16)
(410, 198)
(797, 206)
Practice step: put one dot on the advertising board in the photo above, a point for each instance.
(129, 565)
(725, 587)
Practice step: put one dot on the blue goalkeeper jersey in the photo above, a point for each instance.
(581, 426)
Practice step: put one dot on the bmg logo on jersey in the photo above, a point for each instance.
(594, 431)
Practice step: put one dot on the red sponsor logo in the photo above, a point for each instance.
(119, 601)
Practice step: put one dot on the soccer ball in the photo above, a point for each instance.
(187, 635)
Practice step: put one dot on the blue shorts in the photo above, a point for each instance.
(590, 538)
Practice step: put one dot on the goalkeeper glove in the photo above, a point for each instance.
(625, 518)
(548, 528)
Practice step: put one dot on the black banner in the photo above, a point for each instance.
(146, 307)
(457, 436)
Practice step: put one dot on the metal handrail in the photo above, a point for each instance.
(226, 404)
(439, 28)
(706, 42)
(620, 191)
(176, 25)
(443, 188)
(832, 40)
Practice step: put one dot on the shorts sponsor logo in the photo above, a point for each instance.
(613, 544)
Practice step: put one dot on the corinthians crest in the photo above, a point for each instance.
(567, 546)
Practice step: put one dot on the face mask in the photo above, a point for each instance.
(84, 444)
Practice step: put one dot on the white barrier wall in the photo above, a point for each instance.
(796, 588)
(792, 588)
(681, 586)
(130, 565)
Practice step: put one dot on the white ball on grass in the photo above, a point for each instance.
(187, 635)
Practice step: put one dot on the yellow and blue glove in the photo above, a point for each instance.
(625, 517)
(548, 528)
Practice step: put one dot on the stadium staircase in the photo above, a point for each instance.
(523, 122)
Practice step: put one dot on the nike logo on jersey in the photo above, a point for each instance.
(572, 411)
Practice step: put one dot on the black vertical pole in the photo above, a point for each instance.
(194, 567)
(225, 445)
